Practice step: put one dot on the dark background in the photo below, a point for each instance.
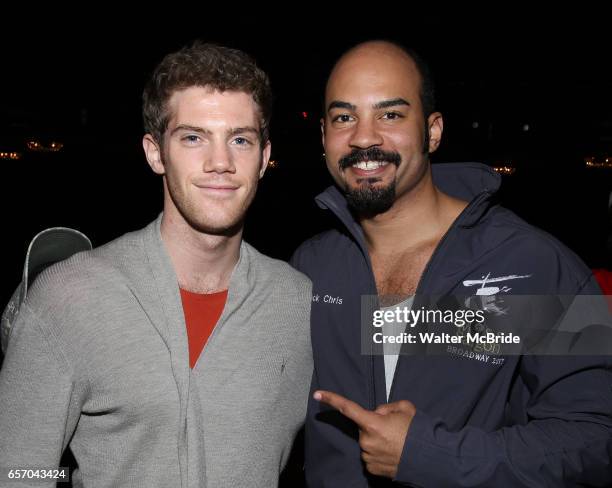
(80, 82)
(77, 78)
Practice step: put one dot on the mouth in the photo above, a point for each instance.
(368, 169)
(218, 189)
(369, 164)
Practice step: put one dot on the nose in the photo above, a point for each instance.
(365, 135)
(219, 159)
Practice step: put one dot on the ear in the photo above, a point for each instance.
(153, 154)
(435, 124)
(265, 158)
(323, 132)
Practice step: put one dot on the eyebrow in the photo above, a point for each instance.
(393, 102)
(242, 130)
(200, 130)
(340, 104)
(390, 103)
(190, 128)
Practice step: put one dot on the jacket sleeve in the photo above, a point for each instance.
(332, 456)
(565, 438)
(39, 398)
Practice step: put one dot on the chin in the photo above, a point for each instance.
(371, 200)
(368, 184)
(221, 225)
(221, 228)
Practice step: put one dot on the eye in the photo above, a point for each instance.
(342, 118)
(392, 116)
(191, 139)
(241, 141)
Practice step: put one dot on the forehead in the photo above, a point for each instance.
(374, 73)
(195, 105)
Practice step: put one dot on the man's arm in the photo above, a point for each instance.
(40, 397)
(330, 437)
(567, 440)
(331, 455)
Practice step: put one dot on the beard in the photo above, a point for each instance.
(368, 200)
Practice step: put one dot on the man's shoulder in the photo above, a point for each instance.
(275, 271)
(509, 238)
(519, 232)
(326, 245)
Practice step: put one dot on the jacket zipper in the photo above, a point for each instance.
(432, 259)
(330, 205)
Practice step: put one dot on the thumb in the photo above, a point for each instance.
(385, 408)
(395, 407)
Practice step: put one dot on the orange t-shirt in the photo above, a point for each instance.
(202, 312)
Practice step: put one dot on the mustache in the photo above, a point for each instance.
(370, 154)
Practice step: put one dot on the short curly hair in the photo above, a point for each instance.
(206, 65)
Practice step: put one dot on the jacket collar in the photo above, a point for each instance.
(473, 182)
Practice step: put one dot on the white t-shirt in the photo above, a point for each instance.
(391, 351)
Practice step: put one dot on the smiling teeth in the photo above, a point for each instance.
(370, 165)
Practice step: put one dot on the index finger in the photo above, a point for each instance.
(346, 407)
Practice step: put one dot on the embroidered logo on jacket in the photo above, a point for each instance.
(334, 300)
(492, 290)
(486, 297)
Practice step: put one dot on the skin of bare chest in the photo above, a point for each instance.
(399, 274)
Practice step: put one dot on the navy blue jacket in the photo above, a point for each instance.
(524, 421)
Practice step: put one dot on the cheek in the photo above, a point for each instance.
(332, 164)
(335, 148)
(248, 170)
(412, 138)
(179, 159)
(336, 142)
(335, 172)
(176, 174)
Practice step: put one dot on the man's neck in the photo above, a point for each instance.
(203, 263)
(421, 216)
